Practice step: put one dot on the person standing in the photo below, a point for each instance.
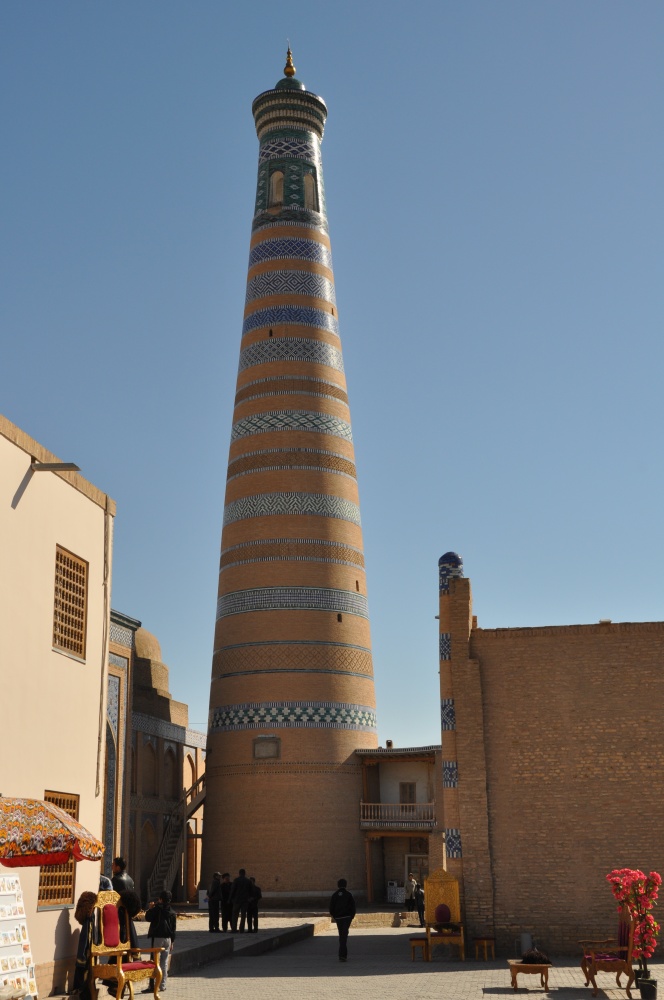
(162, 921)
(252, 907)
(121, 880)
(342, 911)
(410, 892)
(214, 902)
(241, 891)
(226, 905)
(418, 896)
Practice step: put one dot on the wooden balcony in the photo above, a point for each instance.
(397, 816)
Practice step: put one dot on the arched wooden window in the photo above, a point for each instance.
(310, 193)
(276, 189)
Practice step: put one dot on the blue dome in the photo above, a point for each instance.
(450, 559)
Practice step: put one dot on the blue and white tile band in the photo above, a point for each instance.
(290, 283)
(291, 349)
(293, 715)
(292, 420)
(279, 148)
(453, 843)
(291, 316)
(292, 599)
(273, 504)
(445, 646)
(450, 774)
(447, 714)
(292, 248)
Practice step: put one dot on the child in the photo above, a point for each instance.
(162, 921)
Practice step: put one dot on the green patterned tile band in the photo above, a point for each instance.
(293, 715)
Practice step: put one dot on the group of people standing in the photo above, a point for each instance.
(233, 902)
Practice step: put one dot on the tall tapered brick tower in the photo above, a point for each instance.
(292, 692)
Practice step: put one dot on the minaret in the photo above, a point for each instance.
(454, 604)
(292, 692)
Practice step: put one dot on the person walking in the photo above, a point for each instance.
(342, 911)
(162, 920)
(410, 892)
(120, 879)
(418, 896)
(214, 902)
(226, 905)
(252, 907)
(241, 891)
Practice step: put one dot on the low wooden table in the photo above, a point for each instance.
(517, 966)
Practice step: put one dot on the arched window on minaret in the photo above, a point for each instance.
(310, 193)
(276, 189)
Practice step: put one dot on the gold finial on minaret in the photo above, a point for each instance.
(289, 69)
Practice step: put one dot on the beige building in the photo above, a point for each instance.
(55, 584)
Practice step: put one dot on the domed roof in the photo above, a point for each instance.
(147, 645)
(289, 84)
(450, 559)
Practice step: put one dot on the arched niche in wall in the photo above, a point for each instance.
(310, 192)
(148, 770)
(276, 194)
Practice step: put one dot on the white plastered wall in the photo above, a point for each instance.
(50, 701)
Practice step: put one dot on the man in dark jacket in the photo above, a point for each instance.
(241, 892)
(214, 902)
(226, 905)
(162, 920)
(252, 907)
(342, 911)
(121, 880)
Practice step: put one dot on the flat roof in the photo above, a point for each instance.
(38, 453)
(399, 751)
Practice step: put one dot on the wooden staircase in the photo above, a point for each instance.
(171, 849)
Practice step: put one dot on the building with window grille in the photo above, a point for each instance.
(55, 580)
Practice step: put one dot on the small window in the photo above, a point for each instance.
(267, 746)
(70, 603)
(310, 193)
(276, 189)
(56, 882)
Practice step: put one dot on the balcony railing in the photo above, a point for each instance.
(397, 815)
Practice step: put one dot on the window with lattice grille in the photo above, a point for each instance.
(70, 604)
(56, 882)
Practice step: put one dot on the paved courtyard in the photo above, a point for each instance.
(379, 967)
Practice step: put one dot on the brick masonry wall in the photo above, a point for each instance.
(574, 754)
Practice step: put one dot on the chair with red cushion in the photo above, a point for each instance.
(610, 955)
(124, 964)
(442, 913)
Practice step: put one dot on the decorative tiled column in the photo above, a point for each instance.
(292, 692)
(450, 566)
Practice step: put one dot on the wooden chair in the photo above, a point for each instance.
(610, 956)
(123, 965)
(442, 912)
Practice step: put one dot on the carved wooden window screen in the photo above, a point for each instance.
(70, 603)
(56, 882)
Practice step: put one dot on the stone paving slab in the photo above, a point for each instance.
(379, 967)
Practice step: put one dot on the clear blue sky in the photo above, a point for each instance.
(494, 182)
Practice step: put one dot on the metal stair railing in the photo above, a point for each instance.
(171, 849)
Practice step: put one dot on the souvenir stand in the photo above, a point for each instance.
(17, 971)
